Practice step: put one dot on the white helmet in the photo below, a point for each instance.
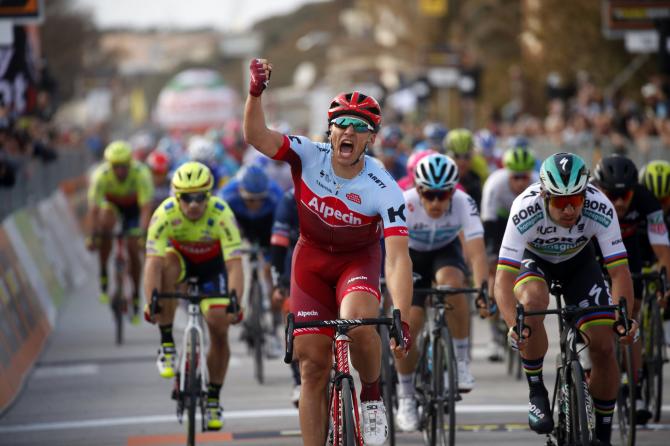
(436, 171)
(202, 150)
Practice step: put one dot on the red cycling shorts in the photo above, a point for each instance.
(321, 279)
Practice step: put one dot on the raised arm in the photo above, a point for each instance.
(256, 131)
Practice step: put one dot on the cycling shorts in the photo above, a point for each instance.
(129, 216)
(321, 279)
(428, 263)
(211, 275)
(581, 280)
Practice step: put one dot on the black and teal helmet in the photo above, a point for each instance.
(518, 159)
(564, 174)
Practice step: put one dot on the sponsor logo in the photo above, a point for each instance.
(354, 197)
(323, 186)
(526, 225)
(529, 211)
(598, 212)
(617, 242)
(393, 213)
(377, 181)
(548, 230)
(559, 245)
(327, 212)
(353, 279)
(533, 409)
(308, 313)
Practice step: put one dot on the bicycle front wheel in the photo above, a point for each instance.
(192, 387)
(388, 382)
(653, 359)
(256, 297)
(350, 435)
(448, 388)
(581, 408)
(626, 397)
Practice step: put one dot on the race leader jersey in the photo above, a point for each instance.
(428, 234)
(338, 214)
(136, 189)
(530, 227)
(214, 234)
(497, 196)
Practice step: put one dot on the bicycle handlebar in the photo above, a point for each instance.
(291, 325)
(481, 301)
(233, 305)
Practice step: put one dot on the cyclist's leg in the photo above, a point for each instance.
(312, 298)
(171, 273)
(107, 218)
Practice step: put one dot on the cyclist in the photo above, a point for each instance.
(437, 213)
(433, 133)
(120, 191)
(407, 182)
(637, 208)
(547, 238)
(194, 234)
(472, 168)
(343, 200)
(392, 152)
(253, 198)
(285, 232)
(159, 164)
(500, 190)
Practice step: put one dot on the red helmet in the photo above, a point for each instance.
(357, 104)
(158, 162)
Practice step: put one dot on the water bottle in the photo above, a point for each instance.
(430, 357)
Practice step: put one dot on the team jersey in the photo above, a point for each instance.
(256, 226)
(429, 234)
(338, 214)
(285, 229)
(214, 234)
(136, 189)
(644, 213)
(472, 184)
(497, 196)
(530, 227)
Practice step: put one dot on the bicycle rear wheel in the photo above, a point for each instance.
(388, 382)
(192, 387)
(117, 305)
(448, 389)
(582, 419)
(626, 397)
(255, 295)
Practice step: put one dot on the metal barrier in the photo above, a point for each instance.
(37, 180)
(591, 150)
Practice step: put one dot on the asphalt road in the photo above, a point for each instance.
(87, 391)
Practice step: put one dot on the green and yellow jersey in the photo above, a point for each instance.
(105, 188)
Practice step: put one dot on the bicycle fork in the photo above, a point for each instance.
(193, 314)
(342, 374)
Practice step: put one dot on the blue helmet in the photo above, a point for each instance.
(485, 140)
(436, 171)
(434, 131)
(253, 180)
(564, 174)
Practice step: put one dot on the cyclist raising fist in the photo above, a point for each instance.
(345, 203)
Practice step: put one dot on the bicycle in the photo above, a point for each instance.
(576, 419)
(343, 416)
(192, 376)
(254, 328)
(436, 393)
(653, 340)
(119, 301)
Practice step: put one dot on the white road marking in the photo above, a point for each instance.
(231, 415)
(66, 370)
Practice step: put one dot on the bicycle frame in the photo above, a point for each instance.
(194, 323)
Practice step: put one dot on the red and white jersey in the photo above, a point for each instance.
(338, 214)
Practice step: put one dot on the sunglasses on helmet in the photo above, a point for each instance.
(434, 194)
(615, 195)
(360, 125)
(562, 201)
(198, 197)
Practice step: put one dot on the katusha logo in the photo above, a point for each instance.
(354, 197)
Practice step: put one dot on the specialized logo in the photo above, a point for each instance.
(563, 162)
(354, 197)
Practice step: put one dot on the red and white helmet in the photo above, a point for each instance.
(356, 104)
(158, 162)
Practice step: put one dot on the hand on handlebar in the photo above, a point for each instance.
(513, 339)
(631, 335)
(260, 71)
(398, 351)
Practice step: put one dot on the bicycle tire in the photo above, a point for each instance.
(388, 382)
(192, 388)
(581, 407)
(349, 432)
(562, 398)
(117, 311)
(654, 362)
(429, 397)
(448, 363)
(257, 329)
(626, 398)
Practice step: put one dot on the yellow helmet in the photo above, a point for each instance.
(656, 177)
(118, 152)
(459, 141)
(192, 177)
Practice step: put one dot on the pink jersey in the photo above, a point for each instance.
(338, 214)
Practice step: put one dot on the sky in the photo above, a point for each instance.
(227, 15)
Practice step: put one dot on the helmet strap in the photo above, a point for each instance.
(365, 149)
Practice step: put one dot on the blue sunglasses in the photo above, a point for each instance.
(360, 126)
